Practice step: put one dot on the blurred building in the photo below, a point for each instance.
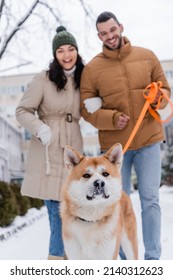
(11, 91)
(168, 69)
(11, 155)
(13, 146)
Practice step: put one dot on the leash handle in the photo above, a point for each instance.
(150, 93)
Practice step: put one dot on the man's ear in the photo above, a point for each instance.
(99, 36)
(121, 28)
(71, 157)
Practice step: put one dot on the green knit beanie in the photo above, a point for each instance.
(63, 38)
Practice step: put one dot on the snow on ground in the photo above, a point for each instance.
(28, 243)
(166, 203)
(28, 237)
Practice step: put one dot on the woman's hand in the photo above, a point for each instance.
(44, 134)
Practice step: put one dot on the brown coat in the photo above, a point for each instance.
(119, 78)
(52, 108)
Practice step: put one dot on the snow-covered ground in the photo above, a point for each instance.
(166, 202)
(28, 237)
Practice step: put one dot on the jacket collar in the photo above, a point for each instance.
(118, 53)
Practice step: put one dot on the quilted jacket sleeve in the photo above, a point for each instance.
(102, 119)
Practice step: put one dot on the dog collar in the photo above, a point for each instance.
(86, 220)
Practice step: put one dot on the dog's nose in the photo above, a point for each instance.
(99, 186)
(99, 183)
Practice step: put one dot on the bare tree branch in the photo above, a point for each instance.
(51, 11)
(17, 28)
(44, 15)
(2, 6)
(16, 66)
(89, 13)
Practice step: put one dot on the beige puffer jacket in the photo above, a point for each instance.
(52, 108)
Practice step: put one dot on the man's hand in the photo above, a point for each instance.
(159, 93)
(122, 121)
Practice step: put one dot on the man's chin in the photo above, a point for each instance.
(111, 47)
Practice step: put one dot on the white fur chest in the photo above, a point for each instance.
(91, 240)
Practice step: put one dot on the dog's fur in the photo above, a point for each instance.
(97, 216)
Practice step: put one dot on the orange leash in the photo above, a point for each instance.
(150, 93)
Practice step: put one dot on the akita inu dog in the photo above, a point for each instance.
(97, 216)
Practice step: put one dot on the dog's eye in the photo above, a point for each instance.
(105, 174)
(86, 175)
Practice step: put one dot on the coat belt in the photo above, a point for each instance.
(65, 120)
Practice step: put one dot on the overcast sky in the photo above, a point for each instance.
(147, 23)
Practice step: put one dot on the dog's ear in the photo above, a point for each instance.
(115, 154)
(71, 157)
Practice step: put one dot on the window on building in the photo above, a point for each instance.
(169, 74)
(12, 90)
(27, 135)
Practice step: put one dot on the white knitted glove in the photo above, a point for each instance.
(44, 133)
(93, 104)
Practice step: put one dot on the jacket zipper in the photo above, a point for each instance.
(132, 120)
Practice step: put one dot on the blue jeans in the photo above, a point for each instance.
(147, 165)
(56, 247)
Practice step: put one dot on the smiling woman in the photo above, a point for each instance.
(54, 96)
(50, 111)
(66, 55)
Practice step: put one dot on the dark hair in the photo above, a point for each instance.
(106, 16)
(57, 76)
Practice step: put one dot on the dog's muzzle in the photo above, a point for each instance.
(98, 189)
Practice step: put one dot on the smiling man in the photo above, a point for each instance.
(111, 33)
(118, 75)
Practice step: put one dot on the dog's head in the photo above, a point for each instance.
(93, 180)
